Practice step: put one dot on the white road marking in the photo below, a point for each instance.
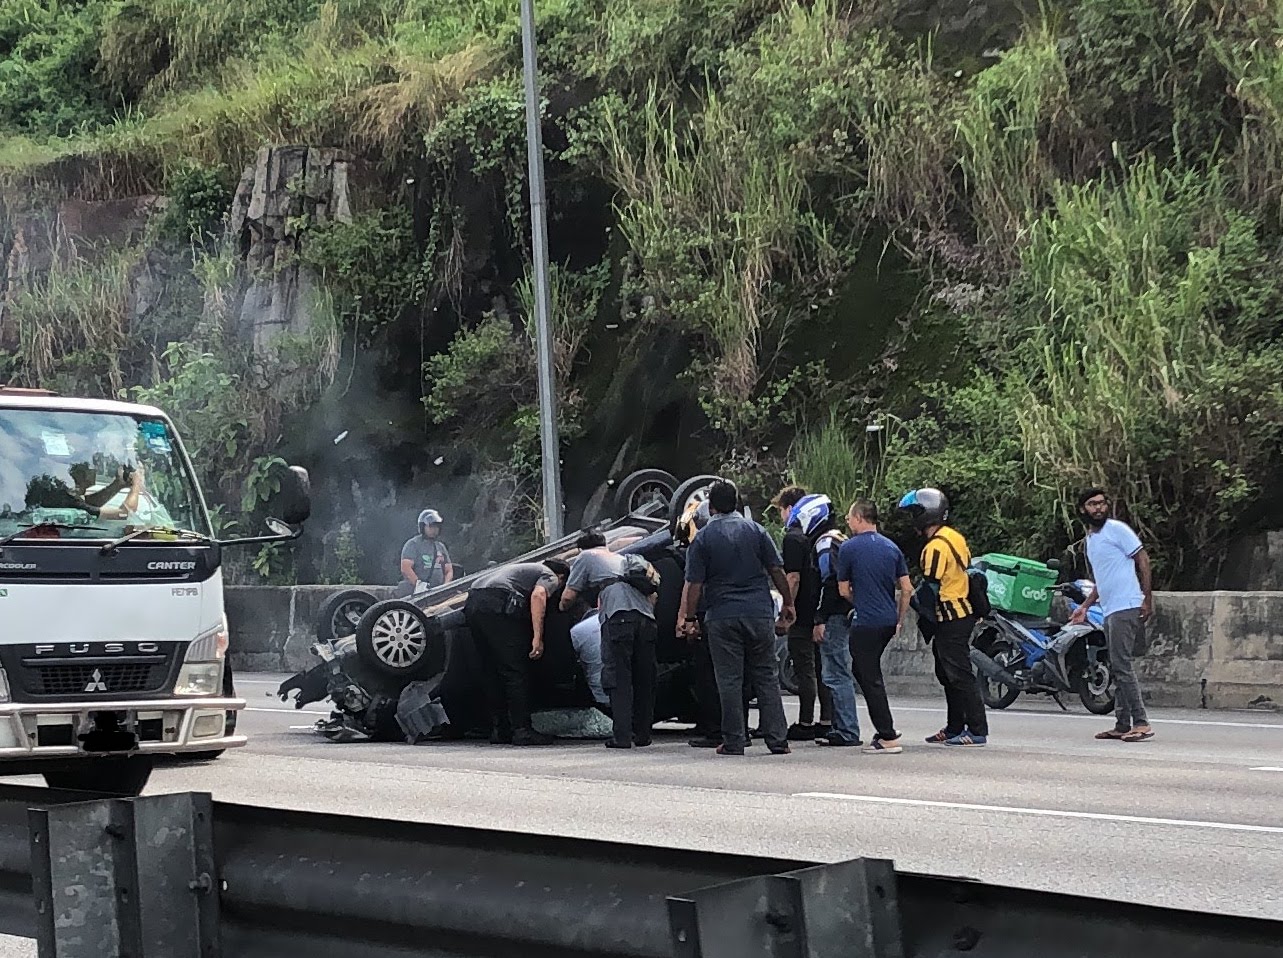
(1158, 721)
(1268, 768)
(1046, 812)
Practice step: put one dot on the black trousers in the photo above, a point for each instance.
(867, 646)
(708, 717)
(628, 668)
(504, 643)
(806, 669)
(952, 649)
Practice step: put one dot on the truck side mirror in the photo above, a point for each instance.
(295, 497)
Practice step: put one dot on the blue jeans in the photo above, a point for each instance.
(835, 664)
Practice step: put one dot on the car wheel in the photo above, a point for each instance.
(690, 493)
(341, 613)
(396, 639)
(647, 491)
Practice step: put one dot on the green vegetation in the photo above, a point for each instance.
(1091, 218)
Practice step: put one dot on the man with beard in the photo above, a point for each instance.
(1121, 571)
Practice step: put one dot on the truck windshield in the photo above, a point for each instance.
(92, 475)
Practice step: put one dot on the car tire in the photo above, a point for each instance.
(637, 489)
(690, 491)
(396, 639)
(341, 613)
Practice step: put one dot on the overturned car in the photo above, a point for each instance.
(408, 670)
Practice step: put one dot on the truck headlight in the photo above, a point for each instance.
(202, 669)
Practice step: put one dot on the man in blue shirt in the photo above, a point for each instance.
(730, 565)
(1120, 568)
(874, 577)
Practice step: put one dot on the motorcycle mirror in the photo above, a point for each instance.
(1053, 564)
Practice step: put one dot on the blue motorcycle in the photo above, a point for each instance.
(1014, 654)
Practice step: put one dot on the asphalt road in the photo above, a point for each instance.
(1192, 819)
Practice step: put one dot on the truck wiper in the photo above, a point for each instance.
(46, 525)
(111, 547)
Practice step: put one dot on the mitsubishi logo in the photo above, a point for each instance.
(96, 684)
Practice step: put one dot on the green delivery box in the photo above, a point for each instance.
(1016, 585)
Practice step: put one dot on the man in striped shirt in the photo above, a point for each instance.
(945, 558)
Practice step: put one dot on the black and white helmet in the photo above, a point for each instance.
(926, 507)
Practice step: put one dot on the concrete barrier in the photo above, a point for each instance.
(1207, 649)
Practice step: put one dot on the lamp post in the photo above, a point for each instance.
(549, 443)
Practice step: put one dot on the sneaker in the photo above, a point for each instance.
(967, 740)
(837, 741)
(727, 750)
(528, 736)
(940, 737)
(822, 729)
(884, 746)
(705, 741)
(611, 743)
(641, 742)
(802, 733)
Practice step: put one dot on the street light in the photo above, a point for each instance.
(548, 440)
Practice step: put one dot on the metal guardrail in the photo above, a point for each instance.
(179, 876)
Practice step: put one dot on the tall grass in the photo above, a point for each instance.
(716, 201)
(826, 459)
(1004, 129)
(1132, 284)
(73, 323)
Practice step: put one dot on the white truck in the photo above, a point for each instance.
(113, 637)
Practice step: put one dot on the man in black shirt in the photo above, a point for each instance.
(505, 611)
(795, 509)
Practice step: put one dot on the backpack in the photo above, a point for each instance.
(825, 555)
(977, 584)
(639, 574)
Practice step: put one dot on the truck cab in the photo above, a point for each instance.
(113, 637)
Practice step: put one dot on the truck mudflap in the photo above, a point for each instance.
(35, 730)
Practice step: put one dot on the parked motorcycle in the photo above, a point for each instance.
(1015, 654)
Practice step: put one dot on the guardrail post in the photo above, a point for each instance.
(827, 911)
(126, 878)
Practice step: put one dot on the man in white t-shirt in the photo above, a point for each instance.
(1121, 571)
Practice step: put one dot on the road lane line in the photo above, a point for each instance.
(1158, 721)
(1045, 812)
(1268, 768)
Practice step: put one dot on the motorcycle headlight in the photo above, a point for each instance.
(202, 669)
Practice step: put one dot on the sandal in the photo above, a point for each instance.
(1114, 733)
(1141, 734)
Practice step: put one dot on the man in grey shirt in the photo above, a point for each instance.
(628, 658)
(731, 564)
(425, 561)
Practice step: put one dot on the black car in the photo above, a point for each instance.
(407, 669)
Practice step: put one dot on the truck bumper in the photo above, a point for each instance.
(35, 730)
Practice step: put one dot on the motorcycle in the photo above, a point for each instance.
(1015, 654)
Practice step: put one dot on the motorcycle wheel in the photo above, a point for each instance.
(998, 695)
(1096, 686)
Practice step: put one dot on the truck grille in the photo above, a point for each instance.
(105, 678)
